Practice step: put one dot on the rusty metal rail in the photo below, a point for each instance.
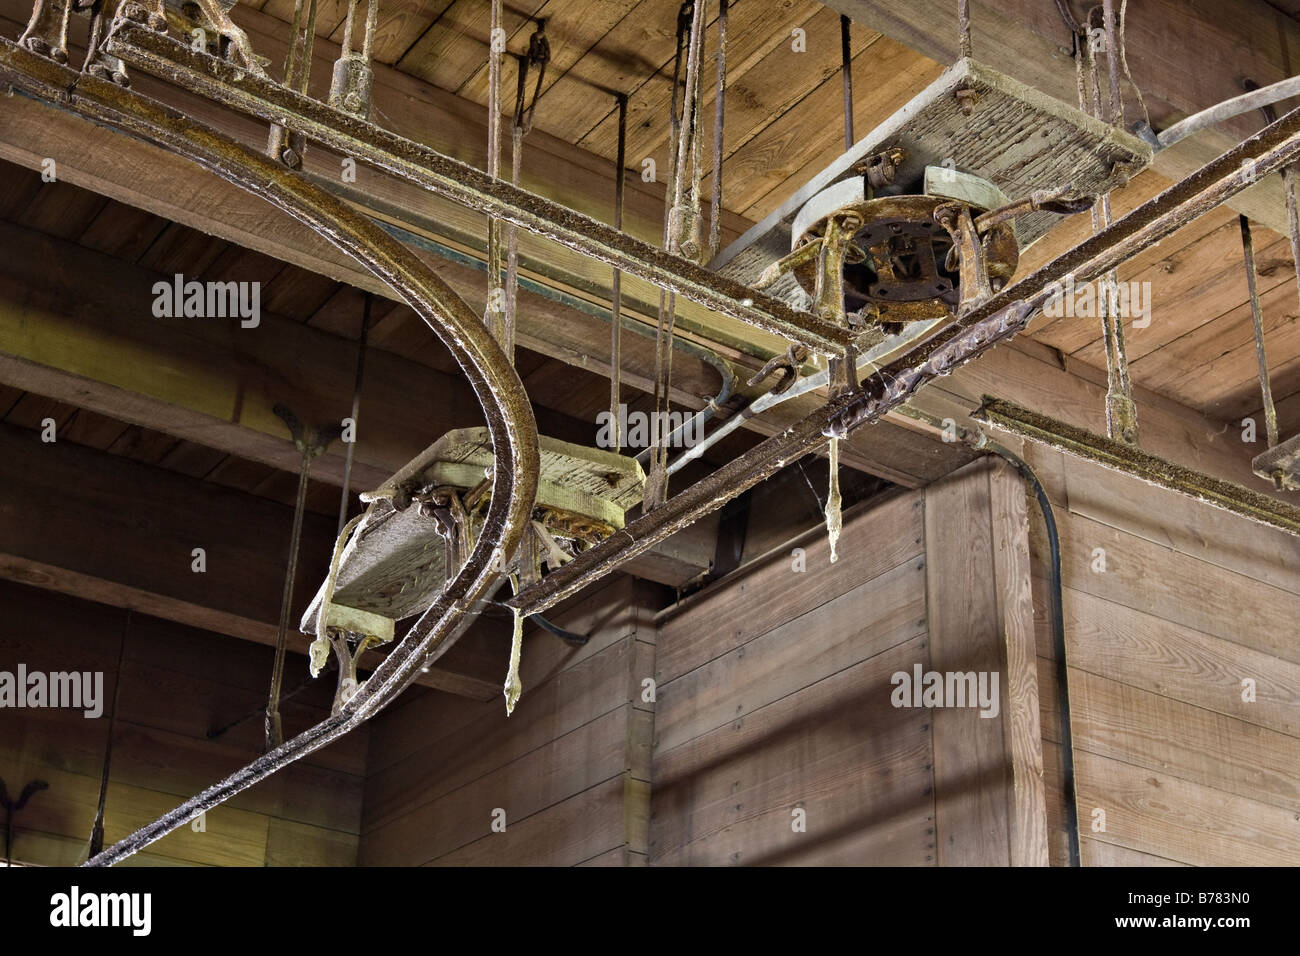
(495, 382)
(1122, 457)
(349, 135)
(995, 320)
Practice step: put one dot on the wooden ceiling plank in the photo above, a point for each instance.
(192, 459)
(1202, 366)
(179, 250)
(1203, 297)
(123, 232)
(811, 136)
(62, 210)
(93, 429)
(32, 410)
(1195, 282)
(143, 444)
(764, 78)
(572, 30)
(456, 44)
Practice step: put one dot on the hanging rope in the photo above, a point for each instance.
(1293, 219)
(1257, 320)
(297, 64)
(356, 410)
(1121, 411)
(1123, 62)
(963, 26)
(719, 116)
(681, 229)
(616, 292)
(494, 314)
(1110, 22)
(97, 829)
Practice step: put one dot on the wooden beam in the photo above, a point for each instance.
(98, 526)
(144, 176)
(990, 807)
(210, 380)
(213, 382)
(1184, 56)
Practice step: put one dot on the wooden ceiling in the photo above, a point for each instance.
(784, 123)
(784, 109)
(569, 397)
(1199, 348)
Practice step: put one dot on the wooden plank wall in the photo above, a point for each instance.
(570, 768)
(177, 683)
(1190, 602)
(774, 697)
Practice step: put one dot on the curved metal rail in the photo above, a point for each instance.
(995, 320)
(495, 382)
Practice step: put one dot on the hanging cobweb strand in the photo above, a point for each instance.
(514, 687)
(834, 518)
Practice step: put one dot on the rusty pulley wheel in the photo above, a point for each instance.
(902, 265)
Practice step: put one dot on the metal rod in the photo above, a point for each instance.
(471, 187)
(97, 828)
(1226, 495)
(963, 29)
(1257, 320)
(1256, 99)
(846, 71)
(356, 411)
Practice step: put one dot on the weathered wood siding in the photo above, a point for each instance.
(1171, 609)
(567, 774)
(774, 707)
(177, 684)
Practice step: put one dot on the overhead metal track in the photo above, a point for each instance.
(1120, 456)
(351, 136)
(994, 319)
(505, 404)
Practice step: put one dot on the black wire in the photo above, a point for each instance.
(558, 631)
(1058, 644)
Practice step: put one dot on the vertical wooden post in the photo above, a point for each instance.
(989, 803)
